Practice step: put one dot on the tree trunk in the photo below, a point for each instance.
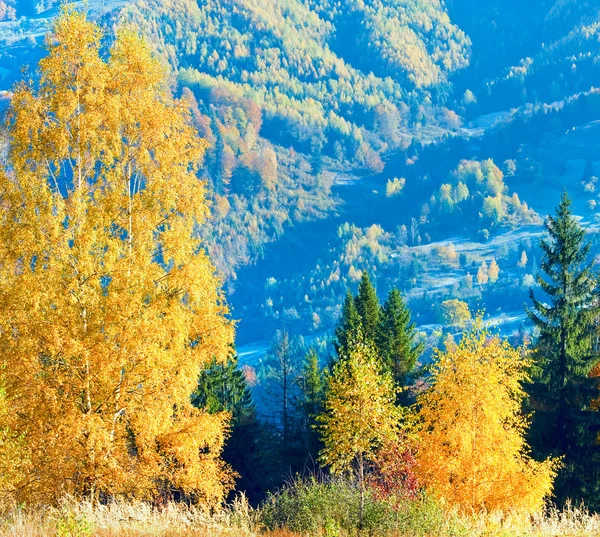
(285, 407)
(562, 403)
(361, 485)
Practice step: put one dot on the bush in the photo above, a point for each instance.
(329, 507)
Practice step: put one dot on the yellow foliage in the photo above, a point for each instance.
(455, 312)
(360, 412)
(472, 450)
(11, 450)
(108, 305)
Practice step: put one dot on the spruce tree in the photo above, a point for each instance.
(367, 306)
(561, 394)
(223, 387)
(312, 382)
(348, 324)
(396, 338)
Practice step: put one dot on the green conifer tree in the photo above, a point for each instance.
(396, 339)
(564, 422)
(368, 308)
(312, 382)
(348, 324)
(223, 387)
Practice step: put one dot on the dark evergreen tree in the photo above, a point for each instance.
(564, 422)
(282, 365)
(368, 308)
(281, 369)
(348, 324)
(389, 328)
(396, 339)
(309, 403)
(223, 387)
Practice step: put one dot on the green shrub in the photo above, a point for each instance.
(71, 524)
(329, 507)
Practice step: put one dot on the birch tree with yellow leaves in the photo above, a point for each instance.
(472, 450)
(109, 306)
(360, 414)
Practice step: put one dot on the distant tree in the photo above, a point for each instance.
(510, 168)
(282, 370)
(469, 98)
(522, 260)
(565, 424)
(414, 232)
(455, 312)
(387, 122)
(461, 192)
(482, 273)
(394, 187)
(373, 161)
(493, 271)
(360, 414)
(471, 432)
(396, 339)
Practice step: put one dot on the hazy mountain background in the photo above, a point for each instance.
(420, 140)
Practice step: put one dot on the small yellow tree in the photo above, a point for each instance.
(360, 413)
(472, 451)
(108, 305)
(455, 312)
(493, 271)
(482, 273)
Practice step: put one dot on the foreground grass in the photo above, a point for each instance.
(82, 519)
(120, 519)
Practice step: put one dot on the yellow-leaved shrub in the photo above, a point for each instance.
(472, 448)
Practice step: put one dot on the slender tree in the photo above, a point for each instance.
(368, 308)
(282, 371)
(312, 381)
(396, 339)
(360, 413)
(562, 391)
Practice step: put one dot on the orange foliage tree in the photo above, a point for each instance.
(109, 307)
(472, 450)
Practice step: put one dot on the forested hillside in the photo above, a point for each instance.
(299, 267)
(404, 138)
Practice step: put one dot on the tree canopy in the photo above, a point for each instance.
(472, 449)
(109, 306)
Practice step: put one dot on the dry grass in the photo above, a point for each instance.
(569, 522)
(81, 519)
(120, 519)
